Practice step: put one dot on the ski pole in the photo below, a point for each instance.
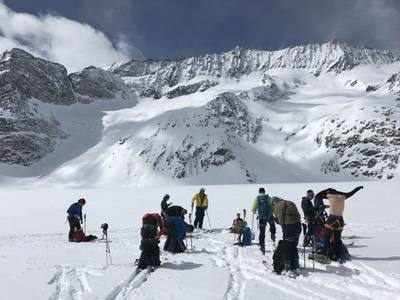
(252, 222)
(209, 223)
(313, 251)
(84, 223)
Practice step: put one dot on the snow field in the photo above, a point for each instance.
(37, 262)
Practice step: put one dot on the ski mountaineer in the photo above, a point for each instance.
(286, 256)
(309, 216)
(75, 217)
(176, 232)
(164, 204)
(150, 255)
(201, 201)
(335, 250)
(262, 205)
(176, 211)
(237, 224)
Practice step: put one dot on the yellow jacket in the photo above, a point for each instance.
(196, 199)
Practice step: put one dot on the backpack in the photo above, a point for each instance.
(150, 226)
(79, 236)
(286, 212)
(263, 207)
(246, 239)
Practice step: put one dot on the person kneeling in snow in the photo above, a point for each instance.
(176, 232)
(286, 256)
(150, 256)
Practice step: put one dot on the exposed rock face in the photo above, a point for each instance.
(29, 77)
(368, 147)
(394, 84)
(95, 83)
(27, 134)
(191, 88)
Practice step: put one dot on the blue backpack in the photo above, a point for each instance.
(246, 236)
(263, 207)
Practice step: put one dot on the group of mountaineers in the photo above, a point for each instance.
(322, 231)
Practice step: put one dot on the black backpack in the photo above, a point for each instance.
(149, 227)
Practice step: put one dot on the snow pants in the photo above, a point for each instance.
(272, 229)
(150, 255)
(333, 237)
(74, 224)
(198, 221)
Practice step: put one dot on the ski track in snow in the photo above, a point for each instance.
(71, 282)
(243, 267)
(134, 281)
(352, 280)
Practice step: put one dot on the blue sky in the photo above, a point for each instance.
(181, 28)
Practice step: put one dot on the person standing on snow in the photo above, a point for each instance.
(309, 216)
(75, 217)
(262, 205)
(164, 204)
(286, 256)
(335, 223)
(201, 201)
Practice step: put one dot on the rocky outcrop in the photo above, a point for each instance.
(369, 147)
(26, 82)
(94, 83)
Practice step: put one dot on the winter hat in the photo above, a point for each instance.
(166, 196)
(202, 189)
(82, 201)
(261, 190)
(310, 193)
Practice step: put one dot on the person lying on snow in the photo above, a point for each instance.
(286, 256)
(152, 229)
(75, 217)
(176, 231)
(333, 248)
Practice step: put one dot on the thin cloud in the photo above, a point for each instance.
(73, 44)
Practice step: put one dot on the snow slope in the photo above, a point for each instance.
(36, 262)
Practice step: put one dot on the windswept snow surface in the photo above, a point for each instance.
(36, 261)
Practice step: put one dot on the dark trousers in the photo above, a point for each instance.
(74, 224)
(150, 255)
(333, 236)
(170, 242)
(286, 255)
(198, 221)
(262, 223)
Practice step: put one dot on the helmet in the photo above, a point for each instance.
(82, 201)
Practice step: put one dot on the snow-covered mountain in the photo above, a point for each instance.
(315, 112)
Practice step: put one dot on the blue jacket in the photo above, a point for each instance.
(180, 227)
(75, 210)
